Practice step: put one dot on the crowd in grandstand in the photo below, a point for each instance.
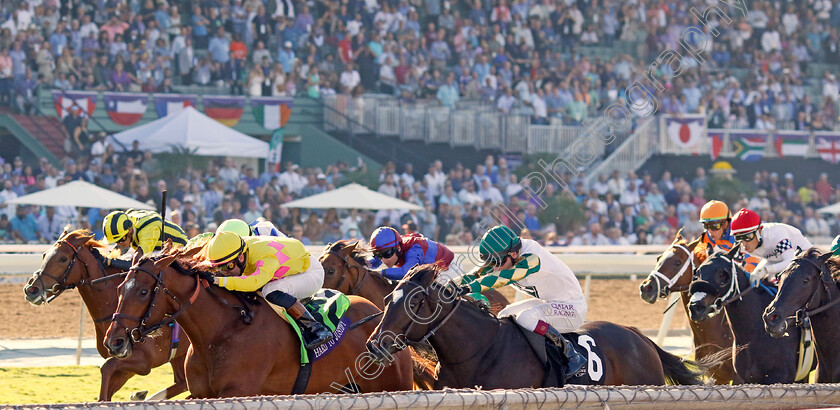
(519, 55)
(620, 209)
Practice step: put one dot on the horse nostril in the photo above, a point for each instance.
(774, 318)
(33, 290)
(118, 343)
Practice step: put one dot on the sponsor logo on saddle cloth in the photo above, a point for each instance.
(558, 309)
(328, 307)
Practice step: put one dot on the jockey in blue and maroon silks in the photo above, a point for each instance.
(400, 253)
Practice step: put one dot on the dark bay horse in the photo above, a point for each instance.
(722, 284)
(74, 261)
(345, 271)
(478, 349)
(235, 357)
(807, 290)
(673, 273)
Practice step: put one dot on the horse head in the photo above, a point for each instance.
(715, 282)
(673, 271)
(343, 266)
(803, 285)
(150, 298)
(414, 311)
(63, 266)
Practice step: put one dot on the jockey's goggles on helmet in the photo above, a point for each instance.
(745, 237)
(713, 225)
(496, 260)
(385, 253)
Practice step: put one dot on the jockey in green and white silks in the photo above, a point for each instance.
(558, 305)
(835, 246)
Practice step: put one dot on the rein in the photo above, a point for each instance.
(139, 333)
(664, 291)
(802, 316)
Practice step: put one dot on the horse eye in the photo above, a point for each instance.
(330, 271)
(144, 292)
(804, 281)
(63, 259)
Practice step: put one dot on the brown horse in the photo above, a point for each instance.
(478, 349)
(673, 273)
(345, 271)
(74, 261)
(235, 357)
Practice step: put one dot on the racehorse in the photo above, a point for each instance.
(236, 353)
(478, 349)
(722, 284)
(74, 261)
(345, 270)
(673, 273)
(808, 296)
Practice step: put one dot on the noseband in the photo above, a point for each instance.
(139, 333)
(660, 277)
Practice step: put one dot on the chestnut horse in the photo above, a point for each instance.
(345, 271)
(809, 296)
(234, 357)
(478, 349)
(74, 261)
(673, 273)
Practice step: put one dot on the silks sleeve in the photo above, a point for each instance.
(835, 246)
(265, 269)
(788, 252)
(487, 279)
(413, 257)
(149, 237)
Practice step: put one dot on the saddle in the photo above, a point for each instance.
(554, 362)
(328, 307)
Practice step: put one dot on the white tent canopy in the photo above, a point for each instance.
(831, 209)
(353, 196)
(191, 129)
(80, 194)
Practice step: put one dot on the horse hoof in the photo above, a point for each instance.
(139, 396)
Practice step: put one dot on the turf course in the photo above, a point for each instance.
(71, 384)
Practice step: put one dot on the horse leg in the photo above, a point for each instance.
(180, 384)
(114, 377)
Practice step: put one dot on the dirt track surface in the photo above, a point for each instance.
(615, 300)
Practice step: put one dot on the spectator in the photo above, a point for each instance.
(24, 226)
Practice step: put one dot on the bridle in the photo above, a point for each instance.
(138, 334)
(664, 291)
(732, 294)
(802, 316)
(60, 282)
(364, 275)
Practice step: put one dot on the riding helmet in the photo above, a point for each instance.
(116, 226)
(745, 221)
(224, 247)
(497, 243)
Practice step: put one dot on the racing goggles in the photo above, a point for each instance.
(385, 253)
(745, 237)
(713, 225)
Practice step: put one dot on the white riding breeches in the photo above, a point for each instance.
(564, 316)
(302, 285)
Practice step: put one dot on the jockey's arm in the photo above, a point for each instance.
(787, 256)
(148, 237)
(413, 257)
(493, 280)
(256, 280)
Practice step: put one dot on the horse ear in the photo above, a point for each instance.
(164, 262)
(679, 236)
(826, 256)
(189, 253)
(734, 251)
(137, 255)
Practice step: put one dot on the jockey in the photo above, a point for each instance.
(558, 305)
(400, 253)
(281, 267)
(140, 229)
(260, 227)
(716, 220)
(776, 243)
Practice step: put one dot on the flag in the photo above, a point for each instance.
(828, 146)
(791, 144)
(125, 109)
(166, 104)
(715, 144)
(272, 112)
(82, 101)
(275, 149)
(749, 147)
(226, 109)
(684, 132)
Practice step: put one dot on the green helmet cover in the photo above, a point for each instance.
(498, 242)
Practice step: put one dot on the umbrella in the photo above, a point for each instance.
(353, 196)
(80, 194)
(831, 209)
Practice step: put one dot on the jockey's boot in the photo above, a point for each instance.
(575, 361)
(315, 333)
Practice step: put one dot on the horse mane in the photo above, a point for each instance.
(419, 272)
(701, 251)
(832, 263)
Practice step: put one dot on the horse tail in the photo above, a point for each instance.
(678, 371)
(423, 368)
